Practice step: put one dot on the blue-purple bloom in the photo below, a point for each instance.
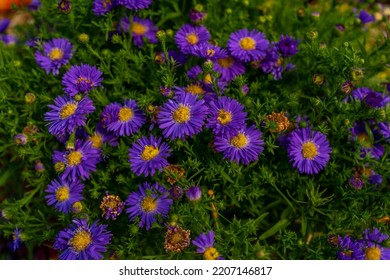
(20, 139)
(141, 29)
(135, 4)
(125, 120)
(82, 241)
(149, 202)
(384, 130)
(16, 239)
(365, 17)
(62, 193)
(8, 39)
(194, 193)
(79, 162)
(227, 66)
(66, 114)
(243, 146)
(205, 245)
(112, 206)
(196, 16)
(81, 79)
(356, 182)
(4, 24)
(102, 7)
(182, 116)
(188, 37)
(308, 150)
(148, 155)
(247, 45)
(56, 53)
(368, 146)
(287, 46)
(226, 115)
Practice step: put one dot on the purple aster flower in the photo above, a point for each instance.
(287, 46)
(16, 238)
(368, 146)
(82, 241)
(226, 116)
(20, 139)
(309, 151)
(81, 79)
(56, 53)
(194, 72)
(135, 4)
(375, 236)
(62, 193)
(243, 146)
(356, 182)
(227, 66)
(66, 114)
(176, 192)
(271, 63)
(8, 39)
(102, 7)
(247, 45)
(375, 179)
(39, 166)
(347, 87)
(206, 50)
(64, 6)
(140, 29)
(34, 5)
(197, 88)
(148, 155)
(4, 24)
(127, 119)
(196, 16)
(178, 57)
(205, 245)
(188, 37)
(101, 136)
(384, 130)
(194, 193)
(183, 116)
(79, 162)
(365, 17)
(376, 100)
(148, 203)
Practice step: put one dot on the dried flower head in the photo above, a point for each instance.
(112, 206)
(176, 239)
(174, 173)
(278, 122)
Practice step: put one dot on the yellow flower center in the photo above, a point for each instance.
(247, 43)
(81, 240)
(85, 80)
(182, 114)
(239, 141)
(309, 150)
(373, 253)
(224, 117)
(211, 254)
(364, 140)
(68, 110)
(192, 39)
(195, 89)
(97, 141)
(125, 114)
(225, 62)
(149, 153)
(210, 53)
(56, 54)
(148, 204)
(62, 193)
(106, 3)
(138, 28)
(176, 238)
(74, 158)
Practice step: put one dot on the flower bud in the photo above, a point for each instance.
(83, 38)
(318, 79)
(29, 98)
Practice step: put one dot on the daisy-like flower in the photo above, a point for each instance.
(62, 193)
(102, 7)
(56, 53)
(135, 4)
(140, 29)
(205, 245)
(226, 115)
(147, 155)
(368, 146)
(176, 239)
(81, 79)
(309, 151)
(78, 162)
(287, 46)
(366, 17)
(66, 114)
(243, 146)
(20, 139)
(227, 66)
(188, 37)
(126, 119)
(82, 241)
(196, 88)
(247, 45)
(16, 238)
(194, 193)
(183, 116)
(149, 202)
